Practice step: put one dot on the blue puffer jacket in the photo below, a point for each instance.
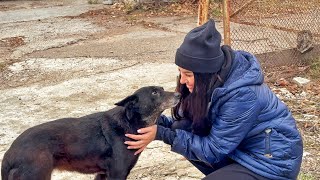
(250, 125)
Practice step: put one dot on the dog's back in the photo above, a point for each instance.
(61, 144)
(6, 170)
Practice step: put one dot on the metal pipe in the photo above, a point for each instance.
(203, 10)
(226, 22)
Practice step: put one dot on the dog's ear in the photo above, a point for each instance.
(129, 104)
(128, 101)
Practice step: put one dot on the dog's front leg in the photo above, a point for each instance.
(119, 170)
(123, 160)
(101, 177)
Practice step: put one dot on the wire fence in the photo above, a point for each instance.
(279, 32)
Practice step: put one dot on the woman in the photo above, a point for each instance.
(229, 124)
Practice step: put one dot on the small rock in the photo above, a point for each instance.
(309, 117)
(303, 94)
(301, 81)
(305, 154)
(107, 2)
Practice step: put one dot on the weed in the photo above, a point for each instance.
(303, 176)
(92, 1)
(2, 66)
(216, 12)
(315, 68)
(130, 7)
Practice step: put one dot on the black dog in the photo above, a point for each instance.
(90, 144)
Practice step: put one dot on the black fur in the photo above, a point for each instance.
(89, 144)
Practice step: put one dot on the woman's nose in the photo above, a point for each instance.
(182, 80)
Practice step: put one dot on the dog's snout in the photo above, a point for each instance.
(177, 95)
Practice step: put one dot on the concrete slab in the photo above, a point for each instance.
(22, 15)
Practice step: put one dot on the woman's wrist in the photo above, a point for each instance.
(165, 134)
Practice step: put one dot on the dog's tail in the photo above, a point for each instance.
(7, 173)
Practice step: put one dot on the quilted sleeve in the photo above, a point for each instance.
(164, 121)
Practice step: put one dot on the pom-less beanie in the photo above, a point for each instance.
(200, 51)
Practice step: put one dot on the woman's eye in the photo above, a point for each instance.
(188, 74)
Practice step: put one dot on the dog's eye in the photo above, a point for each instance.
(155, 92)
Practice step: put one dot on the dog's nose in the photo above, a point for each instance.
(177, 95)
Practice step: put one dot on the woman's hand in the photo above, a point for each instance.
(145, 136)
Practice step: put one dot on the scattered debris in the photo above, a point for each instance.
(283, 93)
(282, 82)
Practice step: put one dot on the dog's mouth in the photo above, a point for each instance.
(176, 102)
(172, 102)
(177, 98)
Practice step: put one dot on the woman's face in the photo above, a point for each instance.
(187, 78)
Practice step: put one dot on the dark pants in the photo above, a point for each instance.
(225, 170)
(232, 171)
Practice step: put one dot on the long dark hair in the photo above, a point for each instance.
(194, 106)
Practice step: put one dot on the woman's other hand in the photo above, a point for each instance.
(145, 136)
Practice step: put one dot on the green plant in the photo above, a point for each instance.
(129, 7)
(2, 66)
(303, 176)
(315, 68)
(216, 12)
(93, 1)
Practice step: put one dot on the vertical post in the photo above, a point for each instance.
(226, 22)
(203, 11)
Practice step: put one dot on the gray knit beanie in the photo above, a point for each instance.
(200, 51)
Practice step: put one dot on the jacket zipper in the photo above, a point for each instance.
(267, 142)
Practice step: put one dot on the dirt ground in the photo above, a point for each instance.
(69, 59)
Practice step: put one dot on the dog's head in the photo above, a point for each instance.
(147, 103)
